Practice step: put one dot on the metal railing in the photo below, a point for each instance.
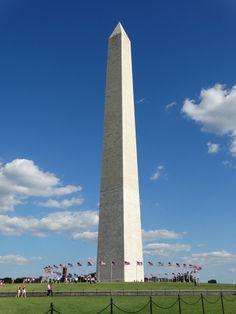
(152, 307)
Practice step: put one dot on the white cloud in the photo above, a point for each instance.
(86, 236)
(58, 222)
(214, 258)
(232, 270)
(13, 259)
(233, 144)
(213, 148)
(216, 112)
(140, 100)
(21, 179)
(170, 105)
(158, 173)
(228, 164)
(165, 249)
(80, 225)
(152, 235)
(66, 203)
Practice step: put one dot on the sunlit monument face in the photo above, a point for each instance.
(120, 256)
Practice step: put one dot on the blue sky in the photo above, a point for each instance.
(52, 86)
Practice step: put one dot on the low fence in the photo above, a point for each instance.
(121, 293)
(152, 307)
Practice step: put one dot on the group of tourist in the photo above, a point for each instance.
(21, 292)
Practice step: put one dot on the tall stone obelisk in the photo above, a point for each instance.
(120, 256)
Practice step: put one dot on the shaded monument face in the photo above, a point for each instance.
(120, 256)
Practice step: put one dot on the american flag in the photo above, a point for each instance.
(79, 264)
(90, 263)
(127, 263)
(150, 264)
(197, 268)
(102, 263)
(47, 269)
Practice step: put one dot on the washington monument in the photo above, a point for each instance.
(120, 256)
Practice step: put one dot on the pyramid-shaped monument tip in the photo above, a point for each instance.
(118, 30)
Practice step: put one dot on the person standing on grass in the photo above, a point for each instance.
(23, 294)
(19, 291)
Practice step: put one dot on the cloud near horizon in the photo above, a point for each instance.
(153, 235)
(165, 249)
(21, 179)
(80, 225)
(214, 258)
(215, 111)
(16, 259)
(57, 222)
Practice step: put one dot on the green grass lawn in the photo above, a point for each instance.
(121, 286)
(92, 305)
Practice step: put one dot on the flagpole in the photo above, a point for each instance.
(136, 271)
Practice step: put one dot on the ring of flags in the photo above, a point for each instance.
(53, 269)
